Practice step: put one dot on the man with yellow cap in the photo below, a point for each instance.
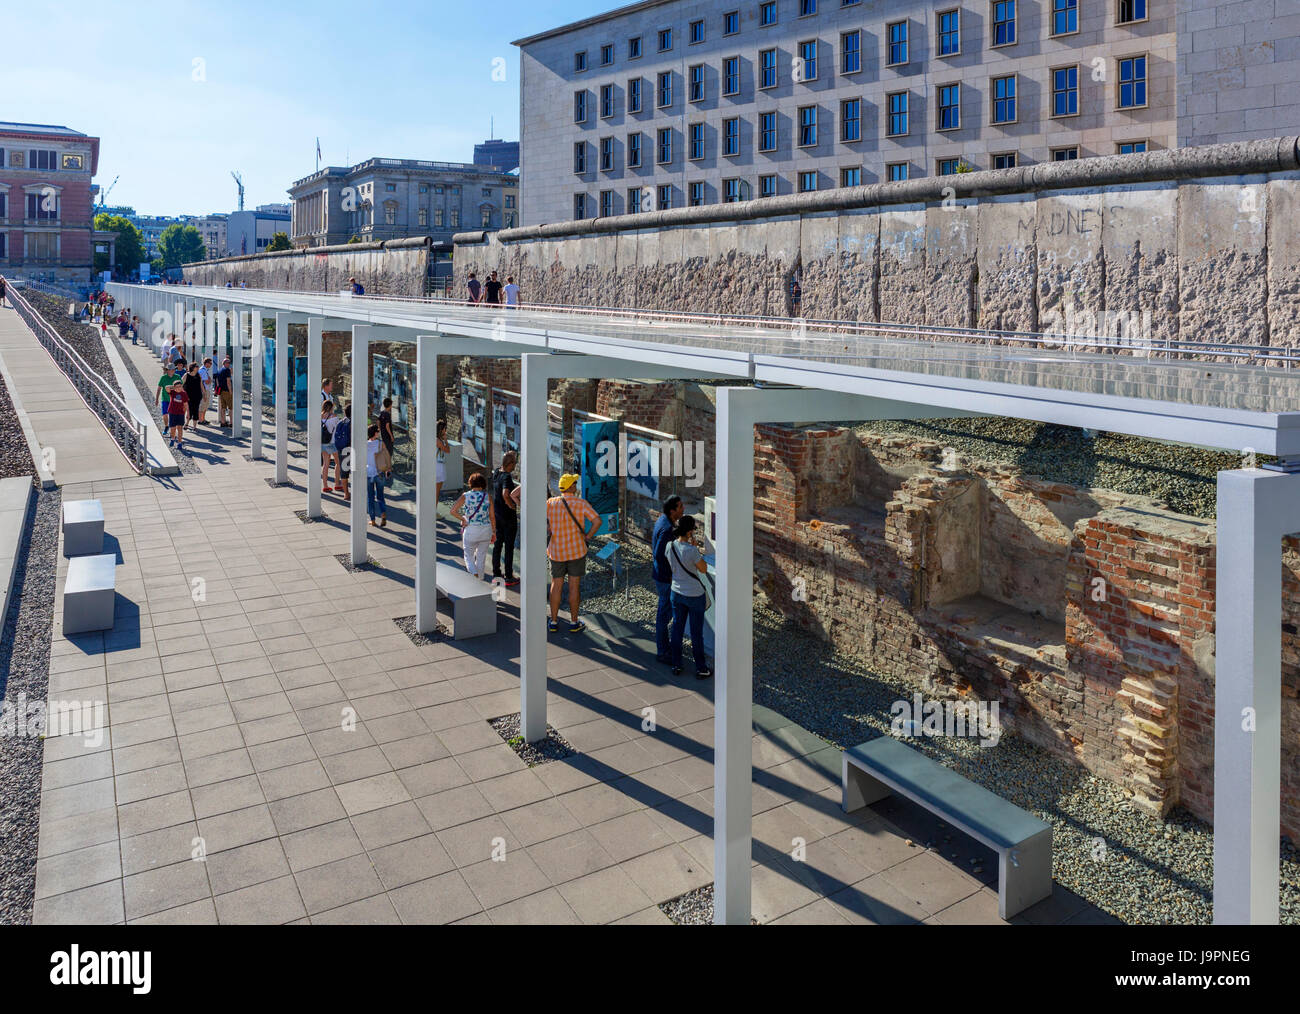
(567, 516)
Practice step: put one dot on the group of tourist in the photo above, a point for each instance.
(492, 292)
(336, 451)
(186, 390)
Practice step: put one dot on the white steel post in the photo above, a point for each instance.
(239, 323)
(315, 326)
(426, 504)
(532, 574)
(360, 403)
(282, 396)
(257, 377)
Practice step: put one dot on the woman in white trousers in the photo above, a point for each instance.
(478, 523)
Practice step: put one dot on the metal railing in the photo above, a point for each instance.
(129, 433)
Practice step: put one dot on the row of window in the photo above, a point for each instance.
(661, 197)
(40, 160)
(36, 246)
(1063, 19)
(1130, 89)
(42, 206)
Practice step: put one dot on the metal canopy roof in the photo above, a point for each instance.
(1149, 395)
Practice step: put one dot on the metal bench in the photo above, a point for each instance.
(83, 527)
(1023, 842)
(89, 594)
(473, 609)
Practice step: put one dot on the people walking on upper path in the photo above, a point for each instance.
(475, 289)
(492, 290)
(511, 291)
(567, 516)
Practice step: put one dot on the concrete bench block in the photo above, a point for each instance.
(473, 609)
(89, 594)
(83, 527)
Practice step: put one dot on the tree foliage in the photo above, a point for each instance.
(181, 244)
(130, 244)
(280, 241)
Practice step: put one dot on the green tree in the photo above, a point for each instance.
(181, 244)
(157, 267)
(355, 239)
(130, 244)
(280, 241)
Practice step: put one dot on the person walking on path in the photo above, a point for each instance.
(475, 290)
(205, 374)
(193, 395)
(440, 465)
(492, 290)
(505, 514)
(328, 421)
(225, 396)
(375, 505)
(689, 599)
(663, 575)
(357, 288)
(386, 426)
(343, 449)
(3, 289)
(567, 516)
(511, 291)
(477, 523)
(163, 392)
(176, 414)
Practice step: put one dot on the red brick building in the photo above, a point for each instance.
(46, 205)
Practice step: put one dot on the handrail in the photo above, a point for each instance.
(802, 326)
(129, 433)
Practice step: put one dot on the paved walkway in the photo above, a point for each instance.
(82, 451)
(243, 647)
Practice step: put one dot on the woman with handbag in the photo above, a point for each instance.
(440, 468)
(478, 524)
(688, 597)
(375, 505)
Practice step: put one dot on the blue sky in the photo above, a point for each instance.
(392, 78)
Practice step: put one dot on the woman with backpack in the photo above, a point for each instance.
(688, 597)
(343, 450)
(327, 423)
(478, 524)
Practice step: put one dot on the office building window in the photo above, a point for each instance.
(510, 200)
(607, 101)
(634, 47)
(1132, 147)
(1065, 154)
(731, 23)
(696, 141)
(949, 41)
(437, 218)
(634, 200)
(43, 207)
(767, 186)
(580, 107)
(665, 145)
(606, 154)
(697, 32)
(390, 188)
(1065, 17)
(607, 54)
(579, 206)
(665, 40)
(1065, 91)
(606, 203)
(896, 102)
(1004, 99)
(949, 102)
(807, 8)
(697, 194)
(807, 181)
(851, 120)
(897, 172)
(1132, 10)
(731, 76)
(634, 95)
(666, 89)
(665, 197)
(731, 136)
(1004, 22)
(851, 177)
(947, 166)
(805, 66)
(766, 14)
(634, 151)
(851, 52)
(767, 132)
(486, 218)
(767, 63)
(730, 191)
(807, 126)
(580, 61)
(422, 216)
(897, 34)
(696, 88)
(424, 188)
(580, 157)
(1133, 82)
(1006, 160)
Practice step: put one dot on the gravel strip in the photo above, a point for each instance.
(85, 338)
(346, 560)
(15, 456)
(25, 669)
(406, 624)
(184, 462)
(694, 908)
(554, 747)
(1182, 477)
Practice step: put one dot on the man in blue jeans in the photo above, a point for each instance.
(662, 574)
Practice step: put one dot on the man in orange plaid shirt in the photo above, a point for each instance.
(566, 517)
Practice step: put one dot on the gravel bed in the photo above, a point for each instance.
(15, 457)
(352, 568)
(1135, 867)
(185, 462)
(554, 747)
(1180, 476)
(25, 669)
(694, 908)
(85, 338)
(406, 624)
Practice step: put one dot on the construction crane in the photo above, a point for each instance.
(103, 195)
(239, 182)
